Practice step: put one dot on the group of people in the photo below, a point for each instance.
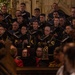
(36, 38)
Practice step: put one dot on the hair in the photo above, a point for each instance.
(70, 53)
(37, 9)
(58, 49)
(23, 4)
(42, 15)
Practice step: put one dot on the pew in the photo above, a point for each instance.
(36, 71)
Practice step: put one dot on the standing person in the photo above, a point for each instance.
(36, 15)
(6, 15)
(25, 14)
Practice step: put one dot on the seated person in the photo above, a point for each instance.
(58, 58)
(28, 61)
(39, 58)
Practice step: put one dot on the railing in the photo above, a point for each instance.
(36, 71)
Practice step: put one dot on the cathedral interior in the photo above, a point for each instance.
(37, 37)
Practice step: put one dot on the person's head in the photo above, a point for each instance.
(62, 21)
(22, 6)
(73, 11)
(73, 23)
(37, 12)
(56, 21)
(39, 52)
(55, 6)
(68, 28)
(42, 17)
(35, 25)
(59, 55)
(15, 26)
(18, 12)
(20, 19)
(47, 30)
(70, 57)
(2, 30)
(23, 30)
(55, 14)
(24, 52)
(4, 8)
(13, 51)
(67, 45)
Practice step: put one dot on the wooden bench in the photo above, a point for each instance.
(36, 71)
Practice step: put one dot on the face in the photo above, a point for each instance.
(4, 9)
(62, 21)
(22, 7)
(68, 29)
(73, 12)
(20, 19)
(61, 57)
(56, 56)
(39, 52)
(15, 26)
(23, 30)
(47, 31)
(56, 22)
(55, 6)
(42, 18)
(24, 53)
(36, 13)
(17, 13)
(35, 25)
(2, 30)
(55, 14)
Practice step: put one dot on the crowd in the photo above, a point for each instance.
(38, 41)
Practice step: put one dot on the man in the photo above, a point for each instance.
(6, 15)
(56, 8)
(25, 14)
(36, 15)
(42, 22)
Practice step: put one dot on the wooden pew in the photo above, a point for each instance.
(36, 71)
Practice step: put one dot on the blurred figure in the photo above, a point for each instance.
(58, 58)
(68, 67)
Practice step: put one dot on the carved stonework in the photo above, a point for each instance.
(46, 5)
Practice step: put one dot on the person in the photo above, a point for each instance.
(55, 7)
(42, 22)
(48, 40)
(39, 58)
(25, 14)
(36, 15)
(3, 35)
(58, 57)
(28, 61)
(66, 37)
(72, 15)
(6, 15)
(68, 67)
(35, 34)
(73, 23)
